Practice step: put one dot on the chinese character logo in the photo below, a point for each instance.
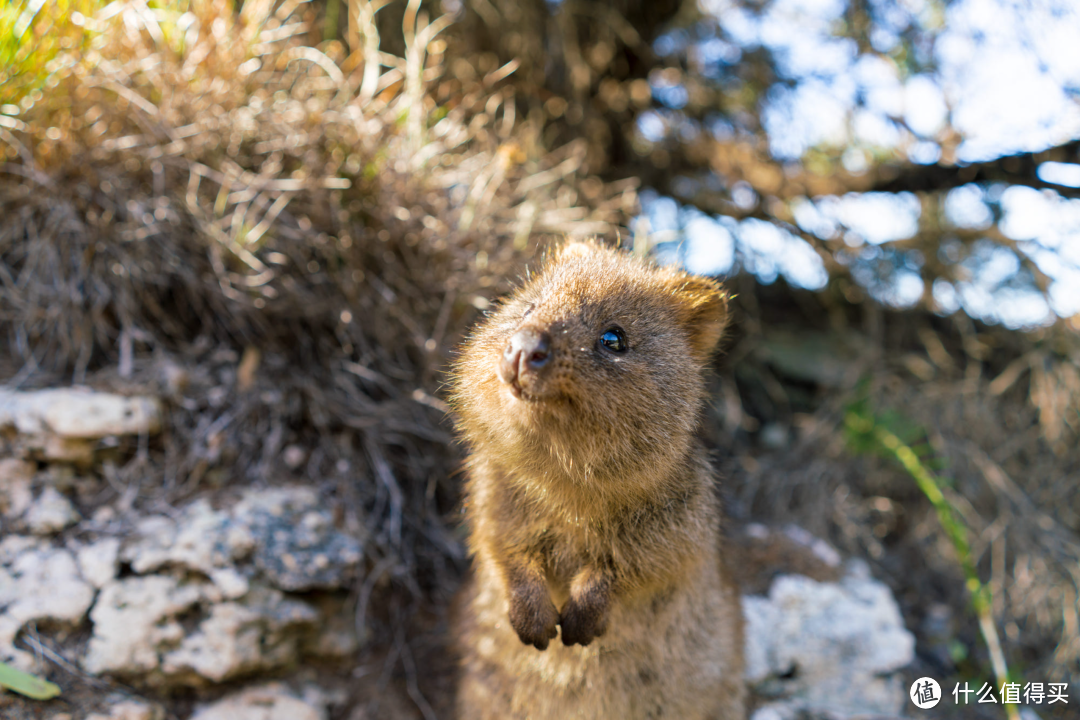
(925, 693)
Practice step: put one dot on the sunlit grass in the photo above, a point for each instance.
(884, 435)
(36, 38)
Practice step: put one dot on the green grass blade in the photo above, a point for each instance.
(26, 684)
(864, 431)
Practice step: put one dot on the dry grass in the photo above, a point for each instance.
(286, 240)
(1003, 440)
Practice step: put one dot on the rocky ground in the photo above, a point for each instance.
(243, 603)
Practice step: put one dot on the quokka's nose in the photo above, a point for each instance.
(527, 352)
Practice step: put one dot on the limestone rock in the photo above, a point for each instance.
(12, 546)
(201, 607)
(297, 546)
(16, 477)
(822, 647)
(137, 631)
(43, 584)
(64, 424)
(240, 624)
(268, 702)
(50, 513)
(130, 710)
(38, 583)
(78, 413)
(59, 449)
(293, 542)
(99, 562)
(195, 541)
(230, 582)
(135, 619)
(260, 632)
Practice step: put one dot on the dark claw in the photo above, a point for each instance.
(582, 622)
(532, 615)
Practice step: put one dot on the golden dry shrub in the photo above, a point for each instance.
(286, 238)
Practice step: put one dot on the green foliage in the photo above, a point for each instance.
(25, 684)
(891, 435)
(39, 39)
(330, 22)
(35, 36)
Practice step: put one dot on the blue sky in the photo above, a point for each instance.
(1006, 77)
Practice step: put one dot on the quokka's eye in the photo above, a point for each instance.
(614, 339)
(528, 311)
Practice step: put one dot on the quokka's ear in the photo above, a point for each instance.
(703, 309)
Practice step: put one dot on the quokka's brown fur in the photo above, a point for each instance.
(591, 505)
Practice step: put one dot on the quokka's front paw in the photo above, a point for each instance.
(532, 614)
(583, 619)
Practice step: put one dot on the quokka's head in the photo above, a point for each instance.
(592, 370)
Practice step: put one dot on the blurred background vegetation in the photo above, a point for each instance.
(332, 192)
